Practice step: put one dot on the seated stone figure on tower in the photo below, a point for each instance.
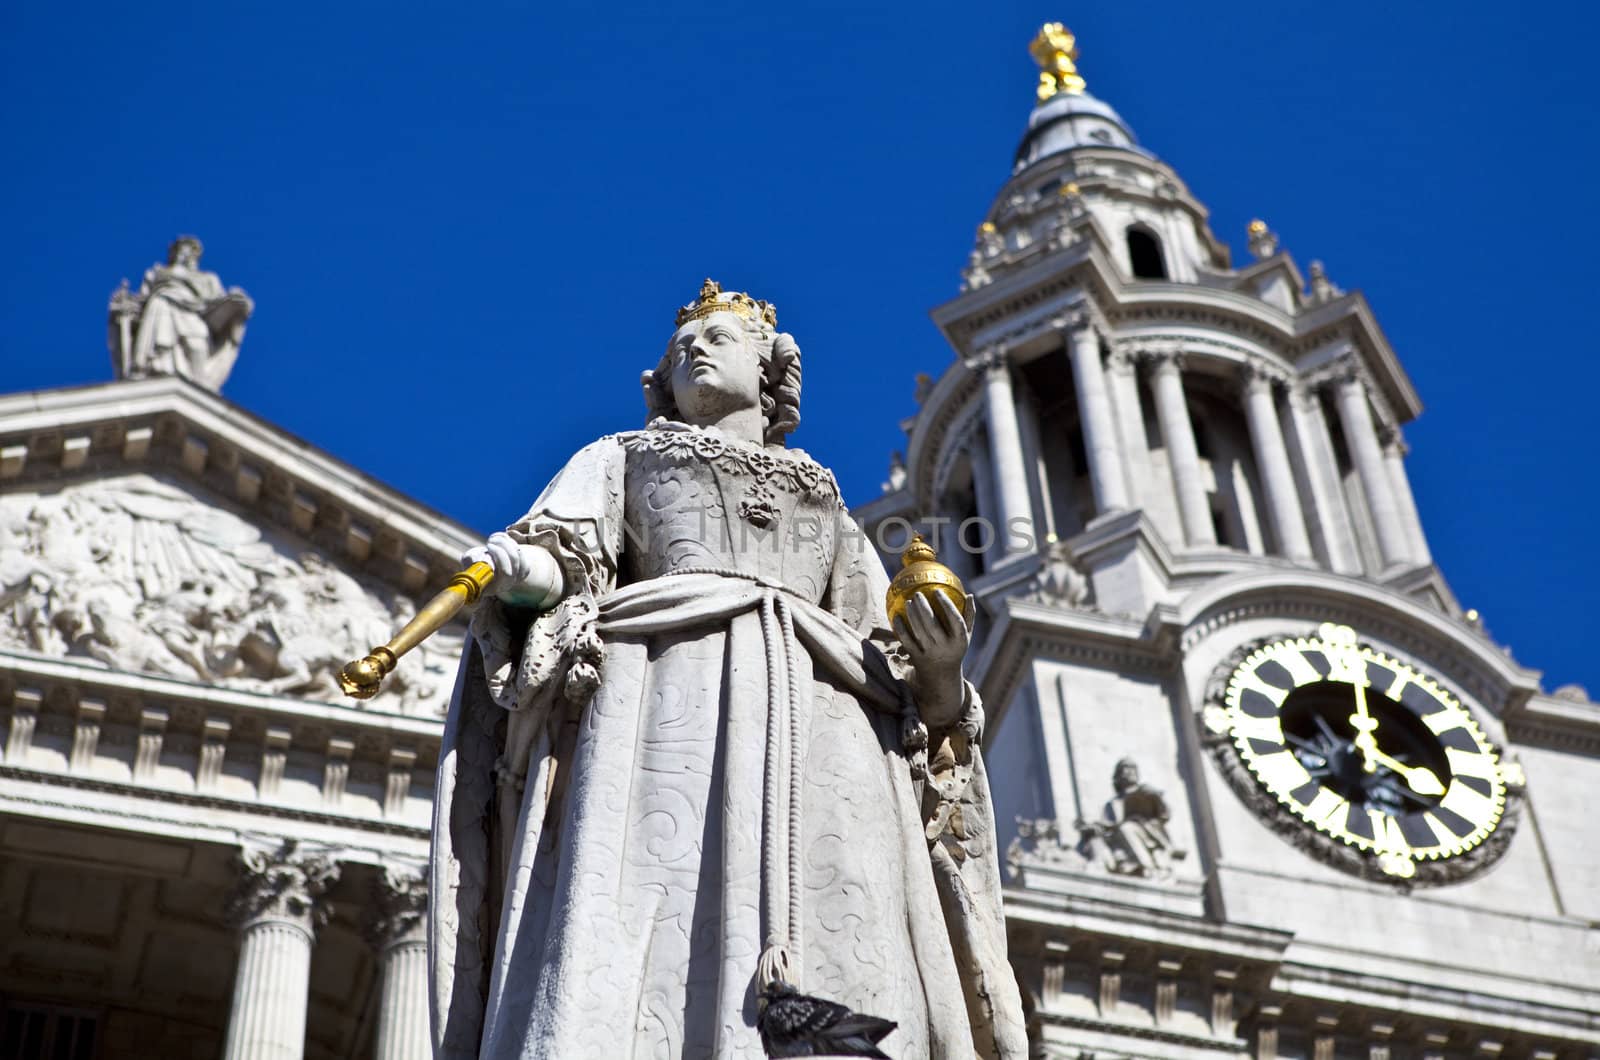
(688, 773)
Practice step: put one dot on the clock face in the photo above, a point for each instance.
(1364, 748)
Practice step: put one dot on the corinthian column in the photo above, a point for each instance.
(1005, 451)
(1361, 436)
(1394, 454)
(276, 908)
(1106, 474)
(399, 935)
(1272, 457)
(1183, 457)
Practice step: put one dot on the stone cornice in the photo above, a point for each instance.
(190, 755)
(1215, 939)
(1556, 724)
(172, 425)
(27, 669)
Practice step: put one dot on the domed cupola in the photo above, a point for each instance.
(1067, 116)
(1081, 177)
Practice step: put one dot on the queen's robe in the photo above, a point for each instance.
(706, 753)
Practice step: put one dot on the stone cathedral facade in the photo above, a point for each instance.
(205, 850)
(1265, 788)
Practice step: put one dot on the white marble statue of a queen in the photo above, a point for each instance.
(689, 770)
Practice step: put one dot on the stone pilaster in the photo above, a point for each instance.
(398, 933)
(1005, 451)
(1106, 473)
(1183, 456)
(1361, 437)
(1272, 458)
(276, 908)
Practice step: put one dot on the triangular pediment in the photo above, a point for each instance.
(151, 527)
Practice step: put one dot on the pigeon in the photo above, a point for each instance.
(796, 1024)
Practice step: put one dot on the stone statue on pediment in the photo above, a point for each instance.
(180, 322)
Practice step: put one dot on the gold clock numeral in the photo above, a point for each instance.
(1326, 805)
(1255, 684)
(1443, 838)
(1249, 727)
(1281, 771)
(1401, 680)
(1471, 764)
(1443, 720)
(1291, 658)
(1397, 865)
(1390, 837)
(1476, 808)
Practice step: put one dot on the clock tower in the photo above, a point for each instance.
(1266, 789)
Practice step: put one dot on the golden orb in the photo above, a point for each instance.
(921, 572)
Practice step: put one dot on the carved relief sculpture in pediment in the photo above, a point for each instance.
(139, 574)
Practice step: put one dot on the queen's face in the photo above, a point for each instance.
(713, 368)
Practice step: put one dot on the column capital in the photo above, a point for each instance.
(1124, 356)
(284, 882)
(988, 360)
(1163, 359)
(400, 903)
(1074, 320)
(1348, 371)
(1389, 437)
(1258, 375)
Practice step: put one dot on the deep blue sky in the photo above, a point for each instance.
(466, 227)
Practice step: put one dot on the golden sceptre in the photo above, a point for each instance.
(363, 677)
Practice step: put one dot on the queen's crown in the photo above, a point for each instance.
(713, 300)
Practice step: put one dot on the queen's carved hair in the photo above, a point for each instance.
(780, 385)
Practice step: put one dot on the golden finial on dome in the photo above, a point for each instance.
(1054, 49)
(1263, 241)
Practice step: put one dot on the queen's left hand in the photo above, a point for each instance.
(935, 636)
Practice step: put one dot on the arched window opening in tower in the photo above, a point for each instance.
(1144, 254)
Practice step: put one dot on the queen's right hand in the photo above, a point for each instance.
(524, 575)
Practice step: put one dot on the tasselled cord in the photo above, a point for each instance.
(783, 762)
